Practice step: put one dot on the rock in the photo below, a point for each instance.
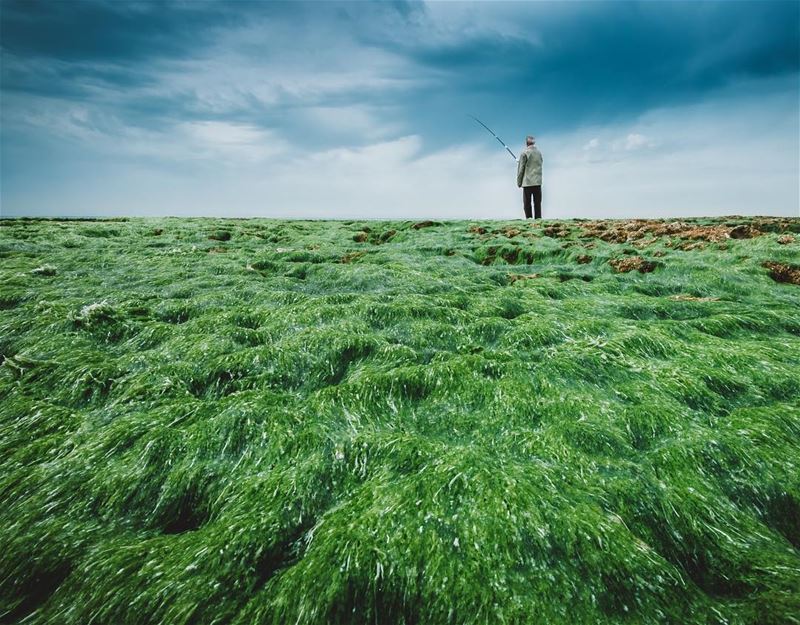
(425, 224)
(509, 232)
(636, 229)
(781, 272)
(743, 232)
(689, 246)
(555, 232)
(624, 265)
(513, 277)
(351, 256)
(387, 235)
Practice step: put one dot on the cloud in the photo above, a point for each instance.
(246, 62)
(573, 63)
(632, 142)
(373, 99)
(735, 154)
(228, 143)
(617, 148)
(570, 63)
(745, 162)
(117, 31)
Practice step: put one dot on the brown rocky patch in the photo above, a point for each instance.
(777, 224)
(513, 256)
(786, 239)
(477, 230)
(688, 246)
(386, 236)
(691, 298)
(351, 256)
(513, 277)
(584, 259)
(633, 263)
(556, 232)
(425, 224)
(781, 272)
(509, 232)
(638, 229)
(743, 232)
(360, 237)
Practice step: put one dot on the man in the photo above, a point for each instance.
(529, 177)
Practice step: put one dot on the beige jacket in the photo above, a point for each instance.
(529, 169)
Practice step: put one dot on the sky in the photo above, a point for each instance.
(343, 110)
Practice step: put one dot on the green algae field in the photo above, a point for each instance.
(208, 421)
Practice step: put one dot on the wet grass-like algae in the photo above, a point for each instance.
(263, 421)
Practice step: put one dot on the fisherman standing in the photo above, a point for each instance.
(529, 177)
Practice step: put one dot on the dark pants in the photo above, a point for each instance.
(536, 191)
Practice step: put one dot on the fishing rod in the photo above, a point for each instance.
(495, 136)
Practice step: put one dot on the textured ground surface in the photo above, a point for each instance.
(357, 422)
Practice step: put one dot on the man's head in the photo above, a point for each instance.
(530, 140)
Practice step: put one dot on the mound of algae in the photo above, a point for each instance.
(264, 421)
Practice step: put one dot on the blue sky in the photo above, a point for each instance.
(360, 109)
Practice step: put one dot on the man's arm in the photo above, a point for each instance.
(523, 158)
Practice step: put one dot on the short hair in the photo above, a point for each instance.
(530, 138)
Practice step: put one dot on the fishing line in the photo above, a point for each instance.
(495, 136)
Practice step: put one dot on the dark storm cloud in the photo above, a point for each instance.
(574, 62)
(73, 49)
(553, 65)
(113, 54)
(612, 51)
(94, 30)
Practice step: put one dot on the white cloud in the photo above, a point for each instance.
(730, 155)
(726, 156)
(90, 130)
(229, 142)
(358, 123)
(592, 144)
(634, 141)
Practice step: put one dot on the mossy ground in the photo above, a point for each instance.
(261, 421)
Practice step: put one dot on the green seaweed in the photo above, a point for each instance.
(361, 422)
